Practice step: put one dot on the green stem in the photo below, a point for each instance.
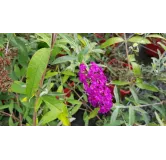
(54, 36)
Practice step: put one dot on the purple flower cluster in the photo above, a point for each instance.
(94, 81)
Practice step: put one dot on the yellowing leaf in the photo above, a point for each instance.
(25, 99)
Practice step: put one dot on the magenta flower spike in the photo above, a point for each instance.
(94, 82)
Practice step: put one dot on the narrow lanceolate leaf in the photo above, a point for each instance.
(136, 69)
(161, 109)
(75, 109)
(50, 74)
(114, 116)
(93, 113)
(22, 50)
(81, 40)
(35, 70)
(112, 41)
(134, 94)
(131, 115)
(162, 45)
(45, 37)
(147, 87)
(158, 119)
(4, 106)
(146, 118)
(155, 36)
(120, 83)
(116, 94)
(64, 59)
(139, 109)
(139, 39)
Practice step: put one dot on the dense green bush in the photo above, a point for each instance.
(39, 83)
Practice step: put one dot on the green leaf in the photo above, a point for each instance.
(65, 78)
(146, 118)
(45, 37)
(11, 123)
(93, 113)
(58, 110)
(112, 41)
(158, 119)
(116, 94)
(136, 69)
(132, 58)
(139, 80)
(139, 39)
(120, 83)
(81, 40)
(69, 40)
(4, 106)
(147, 87)
(134, 94)
(73, 101)
(114, 116)
(50, 74)
(22, 50)
(80, 57)
(38, 103)
(69, 73)
(64, 59)
(17, 71)
(64, 116)
(29, 120)
(60, 89)
(83, 55)
(36, 69)
(155, 36)
(50, 116)
(66, 49)
(97, 51)
(160, 109)
(162, 45)
(52, 102)
(86, 118)
(75, 109)
(131, 116)
(18, 109)
(18, 87)
(55, 51)
(117, 105)
(23, 71)
(139, 110)
(11, 106)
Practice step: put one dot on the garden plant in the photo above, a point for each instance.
(82, 79)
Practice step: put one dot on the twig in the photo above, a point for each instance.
(10, 115)
(127, 52)
(7, 47)
(148, 49)
(146, 105)
(20, 116)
